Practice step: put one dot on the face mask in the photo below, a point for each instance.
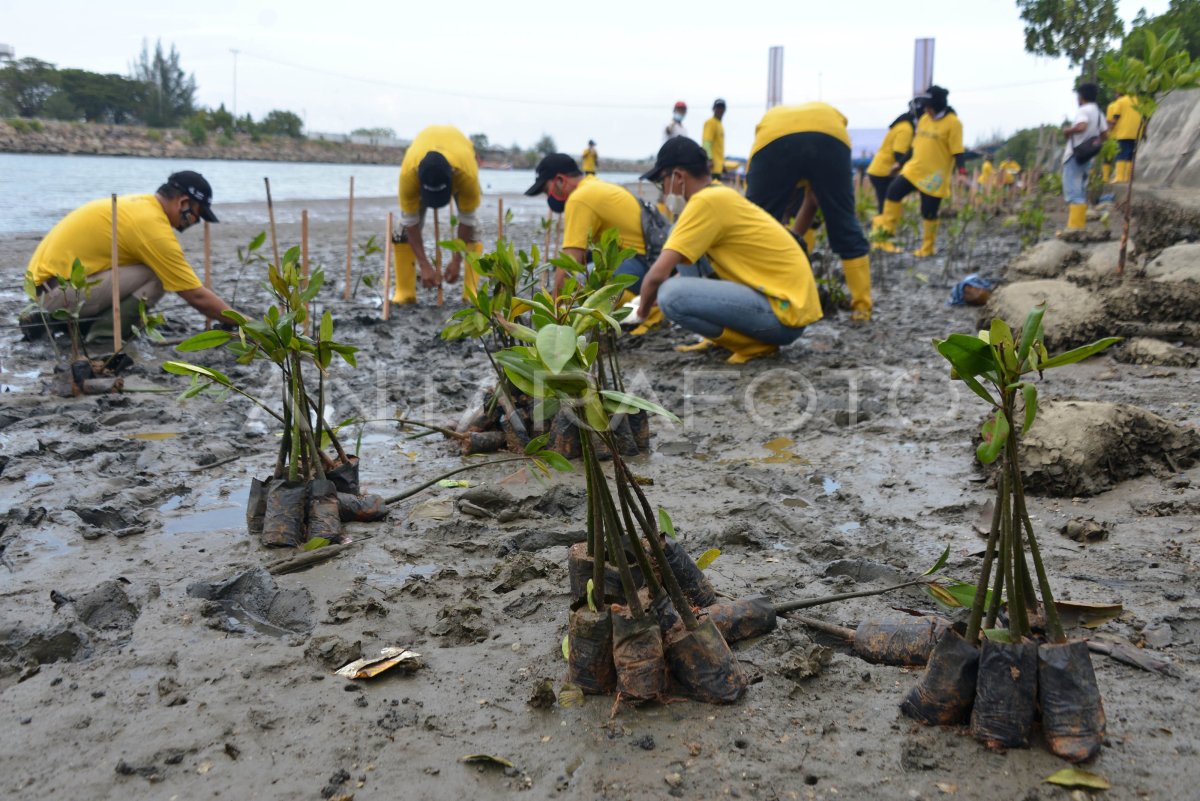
(674, 202)
(677, 116)
(186, 218)
(557, 206)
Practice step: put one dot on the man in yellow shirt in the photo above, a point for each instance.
(804, 152)
(714, 139)
(1009, 169)
(149, 258)
(893, 151)
(765, 294)
(1126, 124)
(590, 157)
(440, 164)
(937, 154)
(987, 173)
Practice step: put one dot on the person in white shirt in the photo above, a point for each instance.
(675, 126)
(1089, 123)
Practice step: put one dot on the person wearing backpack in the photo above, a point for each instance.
(1084, 138)
(590, 207)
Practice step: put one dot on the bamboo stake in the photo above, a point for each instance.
(304, 263)
(557, 232)
(350, 242)
(207, 255)
(116, 281)
(437, 254)
(500, 221)
(271, 216)
(387, 269)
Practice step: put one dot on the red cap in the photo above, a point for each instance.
(681, 105)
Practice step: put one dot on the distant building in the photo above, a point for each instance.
(356, 139)
(7, 53)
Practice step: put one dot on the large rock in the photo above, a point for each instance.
(1083, 447)
(1176, 265)
(1046, 259)
(1143, 350)
(1074, 315)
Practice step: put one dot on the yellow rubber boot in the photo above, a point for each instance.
(696, 347)
(884, 227)
(406, 273)
(744, 348)
(929, 230)
(1077, 217)
(1121, 175)
(1106, 171)
(469, 278)
(858, 281)
(810, 240)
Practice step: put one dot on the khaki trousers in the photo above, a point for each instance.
(137, 281)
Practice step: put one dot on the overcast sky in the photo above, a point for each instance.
(608, 70)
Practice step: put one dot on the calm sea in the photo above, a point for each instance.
(37, 190)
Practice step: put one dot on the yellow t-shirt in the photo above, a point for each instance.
(144, 236)
(898, 139)
(714, 143)
(1124, 119)
(985, 173)
(458, 150)
(935, 145)
(589, 160)
(594, 207)
(748, 246)
(805, 118)
(1009, 170)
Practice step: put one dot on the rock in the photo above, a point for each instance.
(332, 651)
(1102, 262)
(255, 593)
(1143, 350)
(1176, 265)
(107, 607)
(1084, 447)
(1083, 529)
(1046, 259)
(1074, 315)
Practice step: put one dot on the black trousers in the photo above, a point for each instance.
(901, 188)
(823, 161)
(881, 187)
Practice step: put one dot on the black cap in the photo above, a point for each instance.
(195, 187)
(678, 151)
(720, 101)
(435, 175)
(550, 166)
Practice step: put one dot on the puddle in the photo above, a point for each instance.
(830, 485)
(21, 380)
(172, 504)
(400, 575)
(779, 546)
(38, 479)
(153, 435)
(219, 519)
(781, 452)
(851, 526)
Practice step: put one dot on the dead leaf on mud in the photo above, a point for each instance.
(806, 661)
(388, 658)
(570, 695)
(1086, 614)
(1085, 529)
(487, 759)
(1077, 777)
(543, 695)
(436, 509)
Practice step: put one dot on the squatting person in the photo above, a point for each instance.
(440, 164)
(765, 294)
(150, 260)
(805, 151)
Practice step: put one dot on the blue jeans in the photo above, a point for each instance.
(638, 266)
(1074, 181)
(709, 306)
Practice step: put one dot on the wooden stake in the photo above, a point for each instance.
(271, 216)
(308, 325)
(207, 255)
(116, 281)
(500, 222)
(350, 242)
(387, 268)
(437, 254)
(557, 233)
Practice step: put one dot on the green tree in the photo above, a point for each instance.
(480, 141)
(170, 92)
(282, 123)
(545, 146)
(101, 98)
(1181, 14)
(374, 133)
(59, 107)
(27, 84)
(1079, 30)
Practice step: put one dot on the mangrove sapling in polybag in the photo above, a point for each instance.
(946, 691)
(638, 655)
(743, 618)
(898, 639)
(590, 648)
(997, 368)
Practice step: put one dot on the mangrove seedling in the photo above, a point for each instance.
(996, 682)
(369, 279)
(246, 257)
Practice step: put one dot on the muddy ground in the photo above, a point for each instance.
(847, 463)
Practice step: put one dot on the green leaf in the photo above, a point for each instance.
(665, 523)
(593, 412)
(623, 402)
(995, 434)
(314, 544)
(556, 460)
(566, 646)
(556, 346)
(183, 368)
(1031, 331)
(1079, 354)
(1078, 777)
(969, 355)
(998, 635)
(954, 594)
(204, 340)
(707, 558)
(1030, 394)
(939, 564)
(454, 483)
(257, 242)
(591, 600)
(603, 297)
(537, 443)
(326, 330)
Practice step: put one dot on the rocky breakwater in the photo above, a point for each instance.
(43, 136)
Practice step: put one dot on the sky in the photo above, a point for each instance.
(609, 71)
